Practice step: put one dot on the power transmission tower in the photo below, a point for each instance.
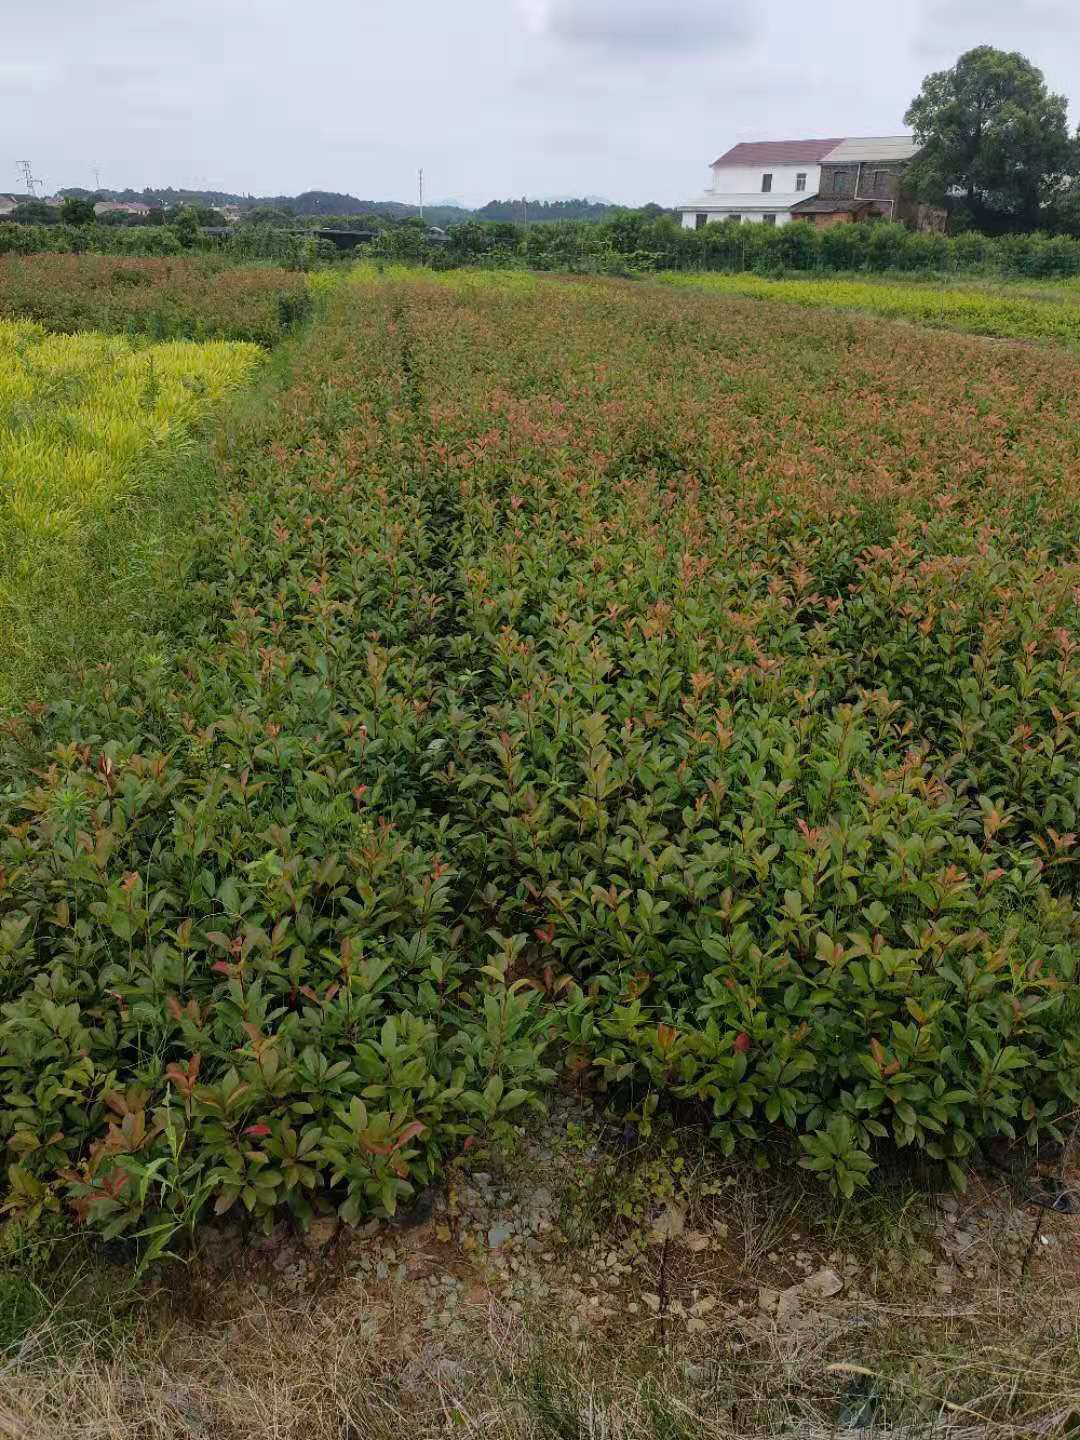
(27, 173)
(421, 194)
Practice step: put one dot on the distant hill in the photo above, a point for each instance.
(308, 203)
(164, 197)
(312, 203)
(329, 202)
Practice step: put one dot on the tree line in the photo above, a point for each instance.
(629, 243)
(312, 207)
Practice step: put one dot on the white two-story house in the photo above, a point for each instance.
(760, 180)
(820, 181)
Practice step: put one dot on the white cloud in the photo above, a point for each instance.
(642, 25)
(949, 27)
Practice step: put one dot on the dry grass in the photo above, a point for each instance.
(231, 1355)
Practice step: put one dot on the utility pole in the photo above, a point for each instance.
(421, 192)
(28, 178)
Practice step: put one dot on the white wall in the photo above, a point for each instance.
(746, 179)
(749, 217)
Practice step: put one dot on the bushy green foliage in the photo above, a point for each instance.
(292, 249)
(142, 240)
(645, 242)
(991, 132)
(629, 242)
(687, 685)
(76, 211)
(251, 989)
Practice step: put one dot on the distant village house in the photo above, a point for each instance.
(121, 207)
(10, 203)
(825, 182)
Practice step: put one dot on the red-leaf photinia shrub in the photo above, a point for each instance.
(166, 299)
(578, 674)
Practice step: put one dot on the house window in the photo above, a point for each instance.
(736, 218)
(800, 181)
(766, 184)
(768, 219)
(700, 221)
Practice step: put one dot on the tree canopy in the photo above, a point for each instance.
(76, 211)
(993, 136)
(536, 211)
(35, 212)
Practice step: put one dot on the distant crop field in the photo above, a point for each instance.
(163, 299)
(1015, 311)
(83, 420)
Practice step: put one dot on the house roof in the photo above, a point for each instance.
(814, 206)
(880, 147)
(778, 152)
(753, 200)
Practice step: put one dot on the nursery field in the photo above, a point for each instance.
(85, 420)
(168, 299)
(1011, 310)
(579, 682)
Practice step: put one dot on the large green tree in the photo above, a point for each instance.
(992, 133)
(77, 211)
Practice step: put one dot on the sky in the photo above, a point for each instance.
(626, 99)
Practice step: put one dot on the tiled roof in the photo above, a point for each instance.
(880, 147)
(814, 206)
(749, 200)
(778, 152)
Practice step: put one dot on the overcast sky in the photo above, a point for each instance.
(628, 99)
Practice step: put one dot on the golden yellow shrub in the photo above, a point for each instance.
(83, 420)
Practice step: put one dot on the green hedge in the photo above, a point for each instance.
(628, 243)
(642, 243)
(256, 242)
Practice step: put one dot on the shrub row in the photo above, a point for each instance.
(778, 764)
(165, 299)
(980, 310)
(632, 242)
(228, 951)
(247, 243)
(689, 686)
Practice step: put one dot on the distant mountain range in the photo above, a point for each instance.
(309, 203)
(331, 202)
